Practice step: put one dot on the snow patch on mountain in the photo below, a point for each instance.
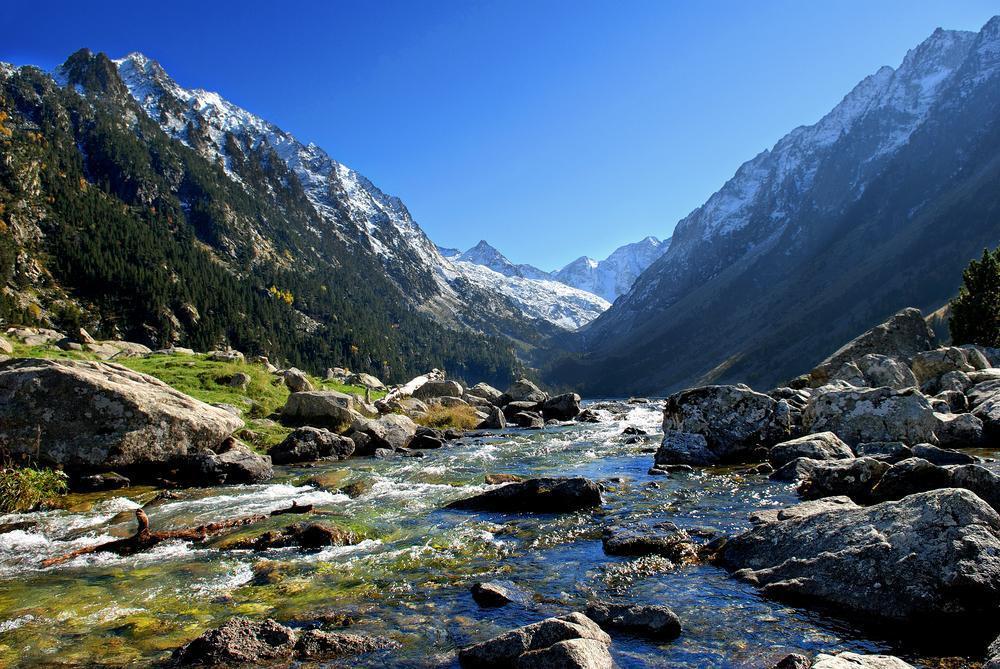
(614, 275)
(562, 305)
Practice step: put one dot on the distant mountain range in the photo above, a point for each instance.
(876, 207)
(606, 278)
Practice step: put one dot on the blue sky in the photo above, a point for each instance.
(551, 129)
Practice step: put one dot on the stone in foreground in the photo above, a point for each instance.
(250, 643)
(100, 416)
(306, 444)
(856, 661)
(931, 558)
(573, 641)
(542, 495)
(819, 446)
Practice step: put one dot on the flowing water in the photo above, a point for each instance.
(409, 577)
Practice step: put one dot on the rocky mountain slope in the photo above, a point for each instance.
(148, 212)
(879, 205)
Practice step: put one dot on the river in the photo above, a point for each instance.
(409, 578)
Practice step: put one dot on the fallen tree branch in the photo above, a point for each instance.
(144, 539)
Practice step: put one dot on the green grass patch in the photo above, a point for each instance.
(25, 488)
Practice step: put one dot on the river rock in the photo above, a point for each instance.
(101, 416)
(541, 495)
(528, 420)
(391, 431)
(875, 371)
(321, 645)
(310, 536)
(486, 392)
(978, 479)
(100, 482)
(963, 430)
(856, 661)
(536, 646)
(664, 539)
(433, 389)
(956, 400)
(296, 381)
(818, 446)
(523, 390)
(244, 642)
(319, 408)
(511, 409)
(495, 420)
(239, 641)
(654, 622)
(853, 478)
(798, 469)
(861, 415)
(888, 451)
(493, 594)
(306, 444)
(427, 438)
(929, 558)
(942, 456)
(988, 412)
(901, 337)
(908, 477)
(236, 465)
(734, 421)
(561, 407)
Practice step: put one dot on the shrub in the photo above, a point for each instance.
(24, 488)
(975, 313)
(459, 417)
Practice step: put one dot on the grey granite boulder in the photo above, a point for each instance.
(101, 416)
(932, 557)
(853, 478)
(654, 622)
(876, 414)
(306, 444)
(319, 408)
(572, 641)
(734, 420)
(818, 446)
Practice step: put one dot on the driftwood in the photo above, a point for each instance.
(144, 539)
(294, 508)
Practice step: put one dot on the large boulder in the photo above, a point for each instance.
(859, 415)
(930, 558)
(734, 420)
(942, 456)
(495, 420)
(238, 464)
(365, 381)
(874, 371)
(306, 444)
(296, 381)
(541, 495)
(819, 446)
(908, 477)
(664, 539)
(391, 431)
(930, 365)
(433, 389)
(101, 416)
(573, 641)
(486, 392)
(988, 412)
(963, 430)
(523, 390)
(901, 337)
(319, 408)
(561, 407)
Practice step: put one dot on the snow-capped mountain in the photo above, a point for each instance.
(874, 208)
(606, 278)
(614, 275)
(487, 256)
(351, 206)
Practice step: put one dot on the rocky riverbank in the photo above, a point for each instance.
(539, 536)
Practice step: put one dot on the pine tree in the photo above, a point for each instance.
(975, 313)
